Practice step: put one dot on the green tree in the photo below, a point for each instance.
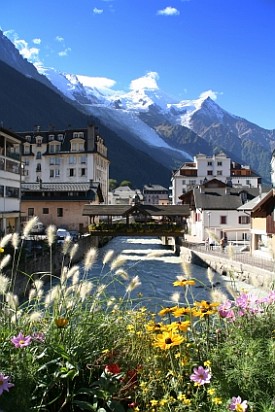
(126, 183)
(112, 184)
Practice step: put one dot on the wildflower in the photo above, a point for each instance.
(205, 308)
(38, 336)
(184, 282)
(200, 375)
(167, 339)
(216, 400)
(225, 310)
(61, 322)
(166, 310)
(21, 341)
(5, 384)
(236, 404)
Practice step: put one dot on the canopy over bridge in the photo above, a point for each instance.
(137, 219)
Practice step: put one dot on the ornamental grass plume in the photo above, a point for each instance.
(5, 240)
(51, 233)
(90, 258)
(29, 226)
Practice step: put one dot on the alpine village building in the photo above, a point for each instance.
(10, 181)
(63, 171)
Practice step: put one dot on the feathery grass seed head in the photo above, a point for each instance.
(4, 284)
(73, 250)
(15, 240)
(90, 258)
(117, 262)
(29, 226)
(5, 240)
(50, 232)
(107, 257)
(5, 261)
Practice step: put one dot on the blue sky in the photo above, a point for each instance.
(190, 46)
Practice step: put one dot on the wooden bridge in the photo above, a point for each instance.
(137, 220)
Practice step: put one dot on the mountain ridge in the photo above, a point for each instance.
(149, 121)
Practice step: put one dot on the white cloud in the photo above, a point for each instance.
(29, 53)
(98, 82)
(36, 41)
(149, 81)
(60, 39)
(169, 11)
(97, 11)
(210, 93)
(65, 52)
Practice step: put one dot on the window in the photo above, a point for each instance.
(38, 155)
(223, 220)
(51, 137)
(30, 212)
(45, 210)
(72, 160)
(2, 190)
(27, 162)
(52, 160)
(51, 173)
(38, 167)
(248, 182)
(244, 220)
(183, 182)
(60, 137)
(39, 142)
(219, 172)
(71, 172)
(83, 172)
(27, 149)
(28, 138)
(219, 163)
(209, 163)
(209, 172)
(59, 212)
(12, 192)
(83, 159)
(57, 173)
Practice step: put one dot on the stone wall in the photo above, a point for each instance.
(239, 271)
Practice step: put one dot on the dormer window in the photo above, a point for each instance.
(60, 137)
(51, 137)
(28, 138)
(78, 134)
(39, 142)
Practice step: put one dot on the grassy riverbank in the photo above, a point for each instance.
(77, 348)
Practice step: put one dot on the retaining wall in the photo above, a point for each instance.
(249, 274)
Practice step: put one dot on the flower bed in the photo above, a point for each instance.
(76, 348)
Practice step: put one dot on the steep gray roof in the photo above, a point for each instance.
(219, 199)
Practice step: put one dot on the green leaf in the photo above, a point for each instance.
(85, 406)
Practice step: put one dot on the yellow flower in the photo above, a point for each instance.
(153, 327)
(211, 391)
(207, 364)
(61, 322)
(167, 339)
(154, 402)
(164, 311)
(184, 282)
(204, 308)
(2, 250)
(217, 400)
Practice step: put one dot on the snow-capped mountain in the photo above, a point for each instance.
(151, 121)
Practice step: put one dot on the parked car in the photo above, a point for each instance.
(61, 235)
(38, 229)
(75, 235)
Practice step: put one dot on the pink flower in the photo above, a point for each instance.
(225, 311)
(236, 404)
(20, 340)
(5, 385)
(38, 336)
(201, 375)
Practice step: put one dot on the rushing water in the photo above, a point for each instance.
(157, 267)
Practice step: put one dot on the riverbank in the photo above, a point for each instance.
(257, 273)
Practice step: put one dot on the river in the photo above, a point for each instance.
(157, 267)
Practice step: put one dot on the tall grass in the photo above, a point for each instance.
(77, 348)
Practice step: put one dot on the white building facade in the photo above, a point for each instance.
(205, 168)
